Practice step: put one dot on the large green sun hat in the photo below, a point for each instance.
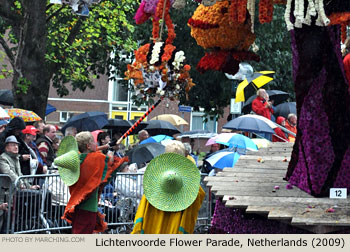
(67, 161)
(171, 182)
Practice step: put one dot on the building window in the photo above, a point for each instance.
(198, 122)
(120, 92)
(65, 115)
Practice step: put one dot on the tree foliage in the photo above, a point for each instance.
(48, 43)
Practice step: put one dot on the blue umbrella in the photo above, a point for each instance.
(49, 109)
(156, 139)
(237, 141)
(89, 121)
(223, 159)
(249, 123)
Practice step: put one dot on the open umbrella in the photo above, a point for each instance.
(95, 134)
(144, 153)
(251, 81)
(277, 96)
(89, 121)
(236, 140)
(6, 97)
(222, 159)
(119, 125)
(261, 142)
(197, 134)
(251, 123)
(3, 114)
(157, 127)
(156, 139)
(173, 119)
(26, 115)
(285, 109)
(49, 109)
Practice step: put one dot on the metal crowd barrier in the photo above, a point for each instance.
(40, 211)
(6, 190)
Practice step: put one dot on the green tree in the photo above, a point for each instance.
(46, 43)
(274, 44)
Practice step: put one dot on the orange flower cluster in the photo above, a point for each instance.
(220, 31)
(342, 18)
(265, 11)
(177, 80)
(167, 20)
(238, 11)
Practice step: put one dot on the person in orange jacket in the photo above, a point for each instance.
(291, 125)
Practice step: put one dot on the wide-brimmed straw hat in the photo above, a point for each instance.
(67, 161)
(171, 182)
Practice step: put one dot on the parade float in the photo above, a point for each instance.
(320, 157)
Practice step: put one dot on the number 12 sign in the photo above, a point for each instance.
(338, 193)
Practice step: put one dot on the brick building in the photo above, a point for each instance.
(110, 97)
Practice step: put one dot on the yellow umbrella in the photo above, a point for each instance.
(256, 80)
(261, 142)
(173, 119)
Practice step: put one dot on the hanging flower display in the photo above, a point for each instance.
(212, 28)
(159, 68)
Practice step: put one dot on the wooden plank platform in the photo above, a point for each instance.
(256, 184)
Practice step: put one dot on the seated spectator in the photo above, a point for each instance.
(14, 128)
(9, 163)
(291, 125)
(281, 136)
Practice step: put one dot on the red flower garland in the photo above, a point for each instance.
(167, 20)
(226, 60)
(265, 11)
(342, 18)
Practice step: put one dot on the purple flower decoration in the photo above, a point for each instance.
(289, 187)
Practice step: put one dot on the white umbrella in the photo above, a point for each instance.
(3, 114)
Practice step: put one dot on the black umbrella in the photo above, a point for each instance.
(285, 109)
(89, 121)
(121, 126)
(249, 123)
(144, 153)
(277, 96)
(160, 127)
(6, 97)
